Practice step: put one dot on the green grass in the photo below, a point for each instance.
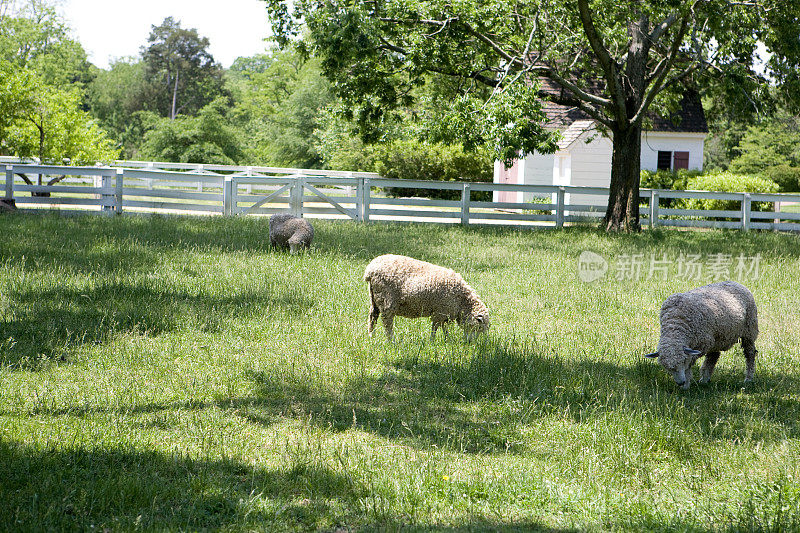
(174, 373)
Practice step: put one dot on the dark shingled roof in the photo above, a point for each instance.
(690, 117)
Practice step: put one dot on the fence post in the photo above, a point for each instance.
(654, 205)
(9, 197)
(118, 192)
(227, 196)
(234, 196)
(105, 198)
(560, 207)
(746, 205)
(297, 196)
(465, 204)
(365, 200)
(360, 199)
(199, 182)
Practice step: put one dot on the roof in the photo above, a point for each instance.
(575, 130)
(690, 117)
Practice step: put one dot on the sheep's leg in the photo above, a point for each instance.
(750, 354)
(708, 366)
(374, 313)
(434, 327)
(388, 325)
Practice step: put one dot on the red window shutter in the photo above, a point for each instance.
(681, 160)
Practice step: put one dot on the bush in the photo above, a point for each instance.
(787, 177)
(728, 182)
(415, 160)
(667, 179)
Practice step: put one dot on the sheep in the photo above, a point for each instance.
(407, 287)
(288, 231)
(706, 321)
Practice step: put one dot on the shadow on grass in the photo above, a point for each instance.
(51, 324)
(82, 489)
(481, 401)
(101, 244)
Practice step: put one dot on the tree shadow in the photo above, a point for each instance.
(98, 489)
(48, 325)
(455, 401)
(459, 400)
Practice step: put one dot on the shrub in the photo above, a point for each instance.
(787, 177)
(415, 160)
(667, 179)
(728, 182)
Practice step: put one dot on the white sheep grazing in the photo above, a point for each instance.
(289, 231)
(706, 321)
(407, 287)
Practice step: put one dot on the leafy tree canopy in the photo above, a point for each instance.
(184, 74)
(51, 126)
(34, 36)
(206, 138)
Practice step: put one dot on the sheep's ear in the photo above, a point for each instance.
(689, 351)
(651, 355)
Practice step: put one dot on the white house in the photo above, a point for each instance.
(583, 157)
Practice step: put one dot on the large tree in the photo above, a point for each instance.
(615, 60)
(184, 72)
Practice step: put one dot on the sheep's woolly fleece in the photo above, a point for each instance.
(407, 287)
(706, 321)
(288, 231)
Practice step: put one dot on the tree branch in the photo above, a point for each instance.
(606, 62)
(664, 66)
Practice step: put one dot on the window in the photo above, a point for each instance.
(680, 160)
(664, 160)
(672, 160)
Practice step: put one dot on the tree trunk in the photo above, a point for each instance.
(623, 201)
(174, 96)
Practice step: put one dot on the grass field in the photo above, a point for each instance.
(174, 373)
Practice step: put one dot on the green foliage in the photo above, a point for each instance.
(340, 146)
(787, 177)
(772, 143)
(416, 160)
(508, 123)
(728, 182)
(52, 127)
(280, 98)
(117, 98)
(184, 76)
(17, 87)
(33, 36)
(667, 179)
(206, 138)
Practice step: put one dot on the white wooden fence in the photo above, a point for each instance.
(175, 188)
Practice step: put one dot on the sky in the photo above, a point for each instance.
(110, 29)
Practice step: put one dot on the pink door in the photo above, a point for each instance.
(509, 175)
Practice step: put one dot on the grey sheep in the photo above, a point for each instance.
(289, 231)
(704, 322)
(407, 287)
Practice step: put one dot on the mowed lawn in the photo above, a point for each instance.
(174, 373)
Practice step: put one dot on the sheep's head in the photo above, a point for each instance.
(677, 361)
(477, 323)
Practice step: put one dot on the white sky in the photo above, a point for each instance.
(110, 29)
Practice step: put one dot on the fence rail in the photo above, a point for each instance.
(177, 188)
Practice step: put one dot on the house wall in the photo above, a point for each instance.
(590, 166)
(653, 141)
(538, 171)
